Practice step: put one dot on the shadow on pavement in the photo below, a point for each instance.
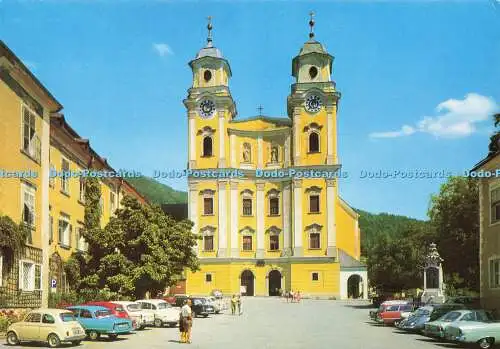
(360, 306)
(174, 341)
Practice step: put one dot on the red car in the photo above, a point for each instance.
(394, 313)
(116, 309)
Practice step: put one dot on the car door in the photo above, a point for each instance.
(47, 326)
(32, 327)
(86, 319)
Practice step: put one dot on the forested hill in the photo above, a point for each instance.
(156, 192)
(375, 225)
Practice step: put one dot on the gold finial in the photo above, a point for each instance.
(311, 24)
(209, 27)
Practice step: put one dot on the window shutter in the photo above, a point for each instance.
(60, 233)
(70, 234)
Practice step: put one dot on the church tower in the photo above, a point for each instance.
(312, 105)
(210, 106)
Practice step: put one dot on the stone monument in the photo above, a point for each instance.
(433, 277)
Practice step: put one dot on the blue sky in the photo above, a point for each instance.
(418, 79)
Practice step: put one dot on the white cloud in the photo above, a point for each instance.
(454, 118)
(163, 49)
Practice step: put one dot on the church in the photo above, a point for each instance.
(263, 234)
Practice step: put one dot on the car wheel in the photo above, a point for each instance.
(397, 322)
(158, 323)
(94, 335)
(76, 342)
(142, 327)
(53, 340)
(486, 343)
(206, 315)
(112, 336)
(12, 338)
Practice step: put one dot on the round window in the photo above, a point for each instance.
(313, 72)
(207, 75)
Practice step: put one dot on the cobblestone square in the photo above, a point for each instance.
(271, 323)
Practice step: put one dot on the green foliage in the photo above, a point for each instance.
(157, 192)
(454, 215)
(12, 235)
(495, 138)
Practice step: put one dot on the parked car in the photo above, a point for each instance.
(180, 299)
(163, 312)
(134, 311)
(437, 328)
(393, 314)
(116, 309)
(54, 326)
(97, 320)
(216, 303)
(374, 312)
(200, 306)
(417, 320)
(484, 335)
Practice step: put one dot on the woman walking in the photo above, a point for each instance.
(233, 304)
(187, 318)
(182, 330)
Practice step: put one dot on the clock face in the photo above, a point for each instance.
(207, 108)
(313, 104)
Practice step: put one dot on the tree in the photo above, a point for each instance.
(495, 138)
(12, 236)
(454, 216)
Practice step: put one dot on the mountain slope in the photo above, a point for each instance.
(157, 192)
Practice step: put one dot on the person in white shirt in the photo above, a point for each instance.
(187, 318)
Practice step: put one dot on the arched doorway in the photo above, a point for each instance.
(247, 280)
(274, 282)
(354, 286)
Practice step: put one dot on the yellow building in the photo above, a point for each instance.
(35, 143)
(263, 191)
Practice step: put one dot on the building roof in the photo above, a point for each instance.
(275, 120)
(347, 261)
(312, 46)
(5, 51)
(209, 51)
(485, 160)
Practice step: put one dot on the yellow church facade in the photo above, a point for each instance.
(263, 191)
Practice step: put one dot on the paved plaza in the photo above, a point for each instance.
(271, 323)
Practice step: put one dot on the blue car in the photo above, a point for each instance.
(98, 320)
(417, 320)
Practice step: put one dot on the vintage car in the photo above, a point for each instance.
(437, 328)
(417, 320)
(218, 304)
(134, 311)
(98, 320)
(54, 326)
(374, 312)
(163, 312)
(200, 306)
(116, 309)
(393, 314)
(484, 335)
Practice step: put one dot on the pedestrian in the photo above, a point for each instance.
(187, 317)
(233, 304)
(182, 329)
(239, 305)
(292, 295)
(298, 296)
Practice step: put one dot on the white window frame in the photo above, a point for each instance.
(112, 202)
(31, 277)
(81, 244)
(208, 194)
(273, 194)
(34, 144)
(491, 273)
(66, 235)
(65, 179)
(319, 276)
(492, 189)
(82, 189)
(31, 191)
(247, 194)
(314, 229)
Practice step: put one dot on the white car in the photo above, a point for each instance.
(215, 303)
(163, 312)
(133, 309)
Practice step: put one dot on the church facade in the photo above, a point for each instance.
(263, 191)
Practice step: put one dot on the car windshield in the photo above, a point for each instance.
(451, 316)
(67, 317)
(163, 305)
(102, 313)
(421, 312)
(133, 307)
(119, 308)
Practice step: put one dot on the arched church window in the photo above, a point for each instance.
(207, 75)
(313, 142)
(207, 146)
(313, 72)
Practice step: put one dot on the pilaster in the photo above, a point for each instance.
(287, 151)
(260, 151)
(260, 219)
(296, 135)
(287, 250)
(222, 251)
(330, 137)
(45, 220)
(192, 138)
(232, 145)
(331, 250)
(233, 203)
(193, 209)
(297, 224)
(222, 138)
